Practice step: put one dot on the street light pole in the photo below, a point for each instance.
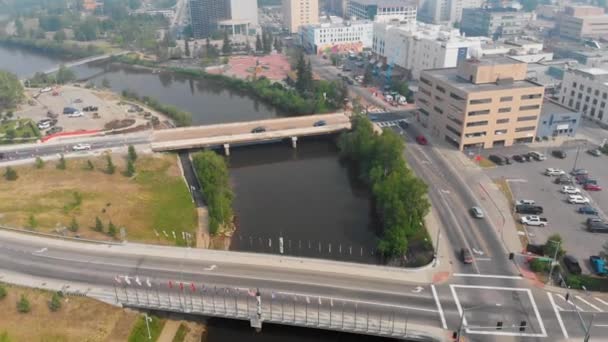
(588, 333)
(554, 260)
(148, 319)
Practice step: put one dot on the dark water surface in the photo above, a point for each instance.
(25, 63)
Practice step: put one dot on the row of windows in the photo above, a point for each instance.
(501, 110)
(581, 87)
(505, 99)
(502, 121)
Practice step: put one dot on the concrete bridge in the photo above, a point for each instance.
(240, 133)
(81, 62)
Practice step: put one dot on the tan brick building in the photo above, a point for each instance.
(481, 103)
(579, 22)
(299, 12)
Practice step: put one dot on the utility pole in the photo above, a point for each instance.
(554, 260)
(148, 320)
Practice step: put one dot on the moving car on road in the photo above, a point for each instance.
(258, 129)
(570, 190)
(421, 140)
(477, 212)
(587, 210)
(81, 147)
(466, 256)
(534, 220)
(595, 152)
(319, 123)
(572, 264)
(577, 199)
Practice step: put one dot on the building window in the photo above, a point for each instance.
(452, 129)
(477, 123)
(453, 119)
(456, 97)
(578, 105)
(603, 104)
(438, 110)
(438, 98)
(527, 118)
(424, 112)
(531, 96)
(572, 93)
(500, 131)
(425, 81)
(605, 96)
(479, 112)
(502, 121)
(504, 110)
(589, 90)
(580, 96)
(594, 101)
(574, 84)
(506, 99)
(480, 101)
(525, 129)
(586, 98)
(531, 107)
(597, 92)
(440, 89)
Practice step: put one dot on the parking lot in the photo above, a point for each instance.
(528, 181)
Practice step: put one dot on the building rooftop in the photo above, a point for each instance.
(594, 71)
(494, 60)
(451, 75)
(551, 107)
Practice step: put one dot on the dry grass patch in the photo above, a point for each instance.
(79, 319)
(48, 199)
(504, 187)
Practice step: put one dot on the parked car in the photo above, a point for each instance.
(598, 265)
(588, 181)
(75, 114)
(319, 123)
(554, 172)
(466, 256)
(581, 178)
(564, 180)
(570, 190)
(595, 152)
(537, 156)
(258, 129)
(593, 220)
(572, 264)
(587, 210)
(559, 154)
(81, 147)
(518, 158)
(577, 199)
(598, 227)
(534, 220)
(54, 130)
(52, 114)
(579, 172)
(421, 140)
(592, 187)
(525, 202)
(528, 209)
(477, 212)
(69, 110)
(498, 159)
(403, 124)
(535, 249)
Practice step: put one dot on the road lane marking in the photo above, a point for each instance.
(439, 308)
(483, 259)
(601, 325)
(42, 250)
(601, 301)
(591, 305)
(418, 289)
(495, 276)
(570, 302)
(558, 316)
(210, 268)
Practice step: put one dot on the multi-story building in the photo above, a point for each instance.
(242, 17)
(494, 22)
(557, 120)
(481, 103)
(337, 36)
(382, 10)
(336, 7)
(418, 46)
(586, 90)
(578, 22)
(299, 12)
(205, 15)
(445, 11)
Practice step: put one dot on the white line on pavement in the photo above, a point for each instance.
(591, 305)
(439, 308)
(496, 276)
(601, 301)
(570, 302)
(601, 325)
(559, 317)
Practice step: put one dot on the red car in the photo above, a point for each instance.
(592, 187)
(421, 140)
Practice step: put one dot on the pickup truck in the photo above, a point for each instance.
(598, 264)
(534, 220)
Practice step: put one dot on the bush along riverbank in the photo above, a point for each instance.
(400, 197)
(64, 50)
(212, 172)
(321, 97)
(180, 118)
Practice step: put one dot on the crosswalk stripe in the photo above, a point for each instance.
(591, 305)
(569, 302)
(601, 301)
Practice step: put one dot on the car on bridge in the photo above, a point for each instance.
(81, 147)
(319, 123)
(258, 129)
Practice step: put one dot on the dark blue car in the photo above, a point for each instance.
(587, 210)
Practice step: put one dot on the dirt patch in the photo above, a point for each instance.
(117, 124)
(504, 187)
(78, 319)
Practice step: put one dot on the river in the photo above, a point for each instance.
(304, 195)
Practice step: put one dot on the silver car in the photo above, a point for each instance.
(477, 212)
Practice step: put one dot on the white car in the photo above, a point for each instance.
(554, 172)
(570, 190)
(525, 202)
(577, 199)
(81, 147)
(76, 114)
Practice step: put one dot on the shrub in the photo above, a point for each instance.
(90, 166)
(3, 291)
(98, 225)
(112, 229)
(73, 225)
(130, 168)
(23, 305)
(55, 302)
(540, 265)
(110, 167)
(39, 163)
(10, 174)
(61, 165)
(132, 153)
(31, 222)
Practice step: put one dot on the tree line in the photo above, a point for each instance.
(180, 118)
(11, 91)
(400, 197)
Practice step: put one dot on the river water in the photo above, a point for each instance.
(304, 195)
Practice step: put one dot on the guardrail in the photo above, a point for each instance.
(58, 236)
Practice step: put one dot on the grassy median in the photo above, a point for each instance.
(49, 199)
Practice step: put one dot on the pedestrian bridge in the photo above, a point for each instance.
(240, 133)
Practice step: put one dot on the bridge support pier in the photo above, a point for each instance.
(227, 149)
(294, 142)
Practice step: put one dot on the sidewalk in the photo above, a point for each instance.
(169, 331)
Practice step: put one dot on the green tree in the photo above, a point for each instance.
(112, 229)
(186, 48)
(19, 28)
(23, 305)
(98, 225)
(554, 244)
(32, 223)
(4, 337)
(10, 174)
(64, 75)
(258, 43)
(87, 30)
(11, 90)
(304, 75)
(73, 225)
(90, 166)
(110, 167)
(105, 83)
(55, 302)
(130, 168)
(132, 154)
(61, 165)
(226, 45)
(3, 292)
(368, 77)
(39, 164)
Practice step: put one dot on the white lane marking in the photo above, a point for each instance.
(418, 289)
(210, 268)
(42, 250)
(601, 325)
(570, 302)
(496, 276)
(591, 305)
(601, 301)
(483, 259)
(439, 308)
(478, 252)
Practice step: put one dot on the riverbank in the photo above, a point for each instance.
(53, 48)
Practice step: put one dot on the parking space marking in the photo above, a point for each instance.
(558, 316)
(591, 305)
(601, 301)
(439, 308)
(537, 315)
(495, 276)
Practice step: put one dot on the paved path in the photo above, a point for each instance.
(169, 331)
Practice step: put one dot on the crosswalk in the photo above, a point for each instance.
(393, 123)
(581, 303)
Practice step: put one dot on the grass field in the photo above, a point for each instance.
(19, 129)
(48, 199)
(140, 331)
(78, 319)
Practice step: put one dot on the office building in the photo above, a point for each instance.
(338, 36)
(494, 22)
(299, 12)
(557, 120)
(242, 17)
(417, 46)
(336, 7)
(445, 11)
(205, 15)
(382, 10)
(579, 22)
(481, 103)
(586, 90)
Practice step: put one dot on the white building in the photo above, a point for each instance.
(337, 36)
(521, 49)
(586, 90)
(417, 46)
(445, 11)
(243, 17)
(382, 10)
